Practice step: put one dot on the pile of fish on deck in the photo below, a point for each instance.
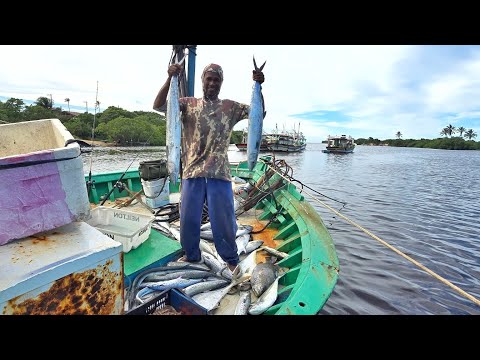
(210, 281)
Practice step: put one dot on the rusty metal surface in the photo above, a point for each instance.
(73, 269)
(96, 291)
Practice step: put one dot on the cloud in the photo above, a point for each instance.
(361, 90)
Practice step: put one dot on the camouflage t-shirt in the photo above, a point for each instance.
(206, 130)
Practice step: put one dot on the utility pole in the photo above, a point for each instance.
(86, 106)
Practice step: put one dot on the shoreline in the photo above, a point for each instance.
(98, 143)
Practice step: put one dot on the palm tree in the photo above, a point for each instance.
(470, 134)
(44, 102)
(450, 129)
(67, 100)
(398, 134)
(461, 130)
(444, 132)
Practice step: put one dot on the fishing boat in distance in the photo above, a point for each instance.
(276, 141)
(243, 145)
(286, 141)
(340, 144)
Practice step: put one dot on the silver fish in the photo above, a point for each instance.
(211, 299)
(248, 264)
(206, 226)
(204, 286)
(241, 230)
(185, 274)
(275, 252)
(178, 283)
(180, 265)
(242, 242)
(253, 245)
(255, 122)
(243, 303)
(173, 130)
(167, 229)
(206, 247)
(213, 263)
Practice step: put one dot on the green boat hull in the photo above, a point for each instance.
(312, 263)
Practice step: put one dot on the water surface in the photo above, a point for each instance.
(424, 202)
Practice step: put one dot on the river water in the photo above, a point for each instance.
(423, 202)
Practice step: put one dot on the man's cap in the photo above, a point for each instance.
(213, 68)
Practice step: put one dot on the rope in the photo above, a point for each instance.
(424, 268)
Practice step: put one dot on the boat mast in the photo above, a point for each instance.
(187, 78)
(192, 54)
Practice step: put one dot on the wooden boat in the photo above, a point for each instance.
(290, 225)
(340, 144)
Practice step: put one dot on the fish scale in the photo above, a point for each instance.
(255, 122)
(173, 130)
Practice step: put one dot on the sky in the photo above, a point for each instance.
(359, 90)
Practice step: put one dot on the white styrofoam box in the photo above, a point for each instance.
(42, 183)
(127, 227)
(157, 192)
(73, 269)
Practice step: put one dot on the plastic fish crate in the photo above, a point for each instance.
(127, 227)
(172, 297)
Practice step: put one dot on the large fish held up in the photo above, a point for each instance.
(173, 129)
(255, 122)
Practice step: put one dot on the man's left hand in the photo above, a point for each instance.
(258, 76)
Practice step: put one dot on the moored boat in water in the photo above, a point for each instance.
(340, 144)
(286, 141)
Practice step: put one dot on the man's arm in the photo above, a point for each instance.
(161, 98)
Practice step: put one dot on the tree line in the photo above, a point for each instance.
(449, 143)
(113, 125)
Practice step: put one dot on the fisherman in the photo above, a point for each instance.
(207, 126)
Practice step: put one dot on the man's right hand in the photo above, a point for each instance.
(175, 69)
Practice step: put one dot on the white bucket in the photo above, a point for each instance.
(156, 192)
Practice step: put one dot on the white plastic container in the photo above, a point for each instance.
(157, 192)
(42, 183)
(127, 227)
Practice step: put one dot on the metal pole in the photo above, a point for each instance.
(192, 54)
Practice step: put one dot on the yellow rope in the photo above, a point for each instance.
(438, 277)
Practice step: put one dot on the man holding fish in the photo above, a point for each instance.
(207, 125)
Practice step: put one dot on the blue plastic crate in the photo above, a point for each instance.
(174, 298)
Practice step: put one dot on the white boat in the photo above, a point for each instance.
(340, 144)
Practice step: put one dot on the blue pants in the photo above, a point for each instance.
(219, 197)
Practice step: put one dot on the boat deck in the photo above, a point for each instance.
(160, 249)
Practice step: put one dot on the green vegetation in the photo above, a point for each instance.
(447, 143)
(114, 125)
